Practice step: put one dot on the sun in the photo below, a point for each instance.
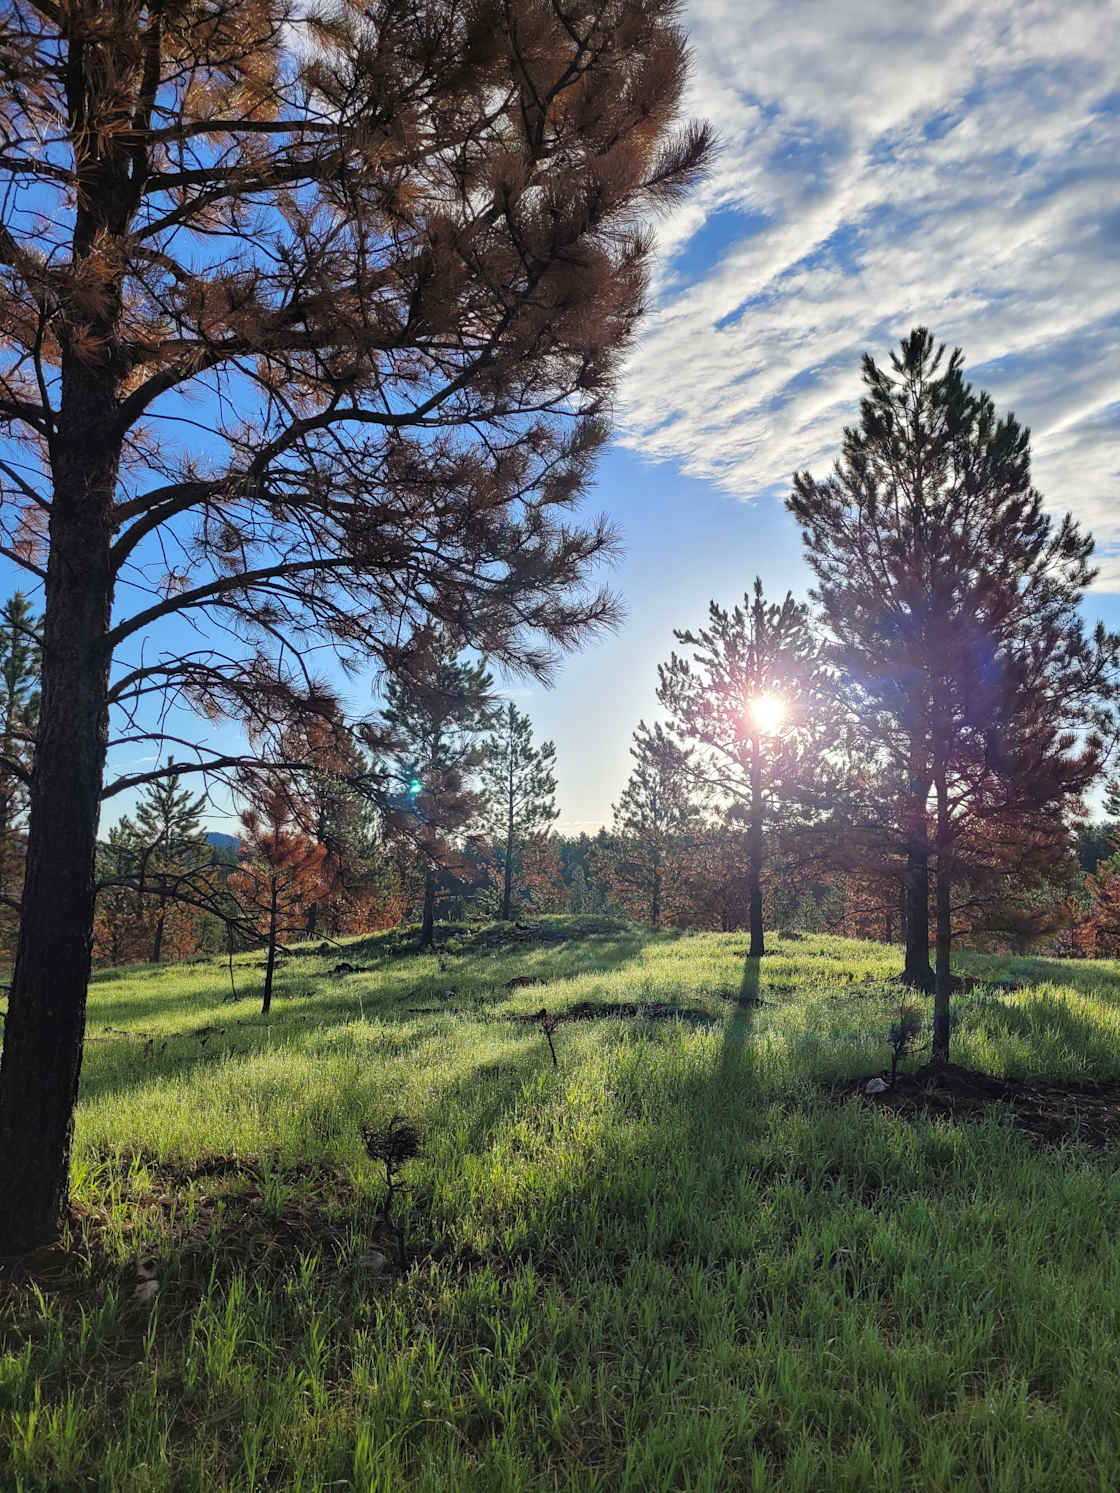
(767, 712)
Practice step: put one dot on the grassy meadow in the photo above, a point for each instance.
(676, 1259)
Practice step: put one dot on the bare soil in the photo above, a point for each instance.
(1050, 1111)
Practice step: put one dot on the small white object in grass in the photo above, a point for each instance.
(876, 1086)
(146, 1292)
(372, 1264)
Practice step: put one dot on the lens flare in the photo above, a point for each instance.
(767, 712)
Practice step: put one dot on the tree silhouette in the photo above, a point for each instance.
(307, 320)
(753, 698)
(951, 600)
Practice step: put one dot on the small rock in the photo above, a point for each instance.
(371, 1264)
(146, 1292)
(876, 1086)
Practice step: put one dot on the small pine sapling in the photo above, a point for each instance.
(393, 1146)
(548, 1024)
(903, 1034)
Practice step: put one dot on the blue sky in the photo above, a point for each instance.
(881, 165)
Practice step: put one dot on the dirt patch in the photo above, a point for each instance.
(209, 1213)
(629, 1010)
(1051, 1112)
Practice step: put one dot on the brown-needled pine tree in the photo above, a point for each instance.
(307, 320)
(281, 867)
(951, 601)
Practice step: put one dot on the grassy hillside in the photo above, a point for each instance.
(679, 1258)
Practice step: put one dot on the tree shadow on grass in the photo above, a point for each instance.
(736, 1063)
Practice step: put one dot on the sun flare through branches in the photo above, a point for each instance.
(766, 713)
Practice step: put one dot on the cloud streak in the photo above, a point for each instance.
(883, 166)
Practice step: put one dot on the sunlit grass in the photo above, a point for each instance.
(670, 1262)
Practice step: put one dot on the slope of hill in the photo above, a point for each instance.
(678, 1256)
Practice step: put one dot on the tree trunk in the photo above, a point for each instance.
(507, 887)
(754, 851)
(45, 1026)
(917, 970)
(270, 963)
(428, 926)
(157, 946)
(943, 983)
(655, 894)
(312, 919)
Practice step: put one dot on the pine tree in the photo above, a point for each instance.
(518, 787)
(951, 601)
(436, 721)
(754, 701)
(657, 814)
(396, 251)
(280, 869)
(169, 830)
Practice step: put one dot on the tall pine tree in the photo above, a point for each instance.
(436, 719)
(396, 250)
(171, 840)
(520, 791)
(951, 600)
(656, 815)
(753, 699)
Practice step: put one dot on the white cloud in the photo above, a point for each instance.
(885, 165)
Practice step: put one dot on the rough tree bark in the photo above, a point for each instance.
(917, 970)
(42, 1055)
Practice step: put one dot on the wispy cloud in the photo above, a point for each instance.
(886, 165)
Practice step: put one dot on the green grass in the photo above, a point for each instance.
(671, 1262)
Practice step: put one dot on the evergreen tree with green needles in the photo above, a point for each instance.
(435, 717)
(520, 791)
(170, 839)
(951, 601)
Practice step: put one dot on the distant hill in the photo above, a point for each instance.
(221, 842)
